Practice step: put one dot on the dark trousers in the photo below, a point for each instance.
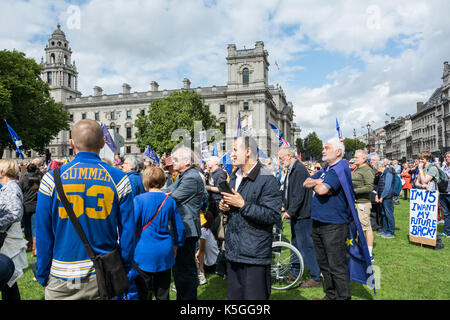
(11, 293)
(375, 216)
(185, 271)
(405, 194)
(301, 230)
(248, 281)
(158, 283)
(331, 253)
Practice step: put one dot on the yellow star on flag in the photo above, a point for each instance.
(349, 242)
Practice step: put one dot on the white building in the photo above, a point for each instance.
(247, 91)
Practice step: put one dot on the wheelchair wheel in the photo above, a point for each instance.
(283, 254)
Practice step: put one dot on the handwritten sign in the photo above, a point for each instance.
(423, 208)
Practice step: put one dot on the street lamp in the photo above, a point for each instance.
(368, 126)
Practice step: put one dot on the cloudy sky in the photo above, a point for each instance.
(355, 60)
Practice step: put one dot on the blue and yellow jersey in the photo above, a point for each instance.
(102, 201)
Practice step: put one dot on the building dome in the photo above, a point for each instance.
(58, 33)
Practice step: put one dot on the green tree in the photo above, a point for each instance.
(26, 105)
(351, 145)
(299, 145)
(177, 111)
(313, 146)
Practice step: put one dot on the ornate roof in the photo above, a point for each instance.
(58, 33)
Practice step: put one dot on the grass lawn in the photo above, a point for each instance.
(407, 271)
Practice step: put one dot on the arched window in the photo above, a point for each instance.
(245, 76)
(52, 58)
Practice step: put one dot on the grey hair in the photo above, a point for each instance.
(288, 150)
(378, 165)
(337, 145)
(363, 153)
(133, 161)
(185, 154)
(215, 160)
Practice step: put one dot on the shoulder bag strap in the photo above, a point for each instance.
(71, 214)
(159, 209)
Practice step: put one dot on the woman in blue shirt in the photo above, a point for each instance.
(156, 248)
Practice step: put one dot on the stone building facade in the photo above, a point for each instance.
(247, 91)
(431, 122)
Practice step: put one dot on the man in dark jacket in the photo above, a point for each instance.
(188, 191)
(253, 209)
(297, 207)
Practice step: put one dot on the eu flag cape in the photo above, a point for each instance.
(359, 263)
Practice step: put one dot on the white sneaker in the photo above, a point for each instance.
(202, 279)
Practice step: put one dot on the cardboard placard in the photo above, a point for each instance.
(423, 209)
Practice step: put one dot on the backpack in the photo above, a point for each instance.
(397, 185)
(443, 183)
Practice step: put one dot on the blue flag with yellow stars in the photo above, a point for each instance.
(359, 263)
(151, 154)
(16, 140)
(108, 139)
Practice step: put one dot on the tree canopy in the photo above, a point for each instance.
(177, 111)
(351, 145)
(26, 105)
(309, 147)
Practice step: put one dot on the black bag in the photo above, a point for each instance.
(3, 235)
(112, 279)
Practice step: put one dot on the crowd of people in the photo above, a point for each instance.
(178, 220)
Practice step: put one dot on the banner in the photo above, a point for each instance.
(423, 209)
(204, 145)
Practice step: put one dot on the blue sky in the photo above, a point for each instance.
(352, 60)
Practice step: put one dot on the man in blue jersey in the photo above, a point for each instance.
(102, 201)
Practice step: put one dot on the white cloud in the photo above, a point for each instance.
(401, 46)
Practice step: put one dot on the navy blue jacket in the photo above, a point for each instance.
(385, 184)
(248, 237)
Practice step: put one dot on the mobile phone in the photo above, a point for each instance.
(225, 187)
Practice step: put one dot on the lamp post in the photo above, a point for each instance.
(368, 126)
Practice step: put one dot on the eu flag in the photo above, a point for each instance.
(151, 154)
(239, 130)
(339, 131)
(227, 164)
(15, 138)
(359, 263)
(108, 139)
(214, 150)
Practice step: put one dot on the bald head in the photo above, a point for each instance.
(87, 136)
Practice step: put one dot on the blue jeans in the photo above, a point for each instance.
(387, 216)
(444, 200)
(301, 232)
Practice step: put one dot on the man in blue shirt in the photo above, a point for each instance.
(330, 215)
(103, 204)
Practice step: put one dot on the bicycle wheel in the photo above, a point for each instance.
(283, 254)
